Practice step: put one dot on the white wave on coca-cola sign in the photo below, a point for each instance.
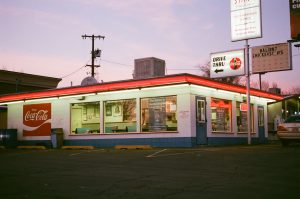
(29, 128)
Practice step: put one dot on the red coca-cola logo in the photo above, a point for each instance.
(40, 115)
(235, 63)
(37, 119)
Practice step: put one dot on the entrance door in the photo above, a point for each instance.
(3, 117)
(76, 118)
(261, 128)
(201, 122)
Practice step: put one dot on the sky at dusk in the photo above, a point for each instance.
(44, 37)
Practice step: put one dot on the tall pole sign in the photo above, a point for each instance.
(245, 19)
(246, 24)
(295, 19)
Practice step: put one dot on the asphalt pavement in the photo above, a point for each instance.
(261, 171)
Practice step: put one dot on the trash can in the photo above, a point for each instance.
(57, 138)
(9, 138)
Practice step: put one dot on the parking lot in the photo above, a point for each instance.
(261, 171)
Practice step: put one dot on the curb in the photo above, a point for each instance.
(78, 147)
(133, 147)
(31, 147)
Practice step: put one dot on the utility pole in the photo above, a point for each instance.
(94, 53)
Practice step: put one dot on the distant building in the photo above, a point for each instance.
(149, 67)
(16, 82)
(290, 105)
(275, 90)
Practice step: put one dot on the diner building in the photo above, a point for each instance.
(181, 110)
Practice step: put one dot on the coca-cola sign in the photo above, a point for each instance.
(37, 119)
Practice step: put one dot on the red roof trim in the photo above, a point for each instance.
(132, 84)
(233, 88)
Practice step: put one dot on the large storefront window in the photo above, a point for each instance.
(221, 115)
(120, 116)
(241, 117)
(85, 118)
(159, 114)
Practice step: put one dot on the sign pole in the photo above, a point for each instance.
(248, 90)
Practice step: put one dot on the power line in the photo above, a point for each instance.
(183, 69)
(112, 62)
(76, 70)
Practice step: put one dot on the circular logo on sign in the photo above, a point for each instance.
(235, 63)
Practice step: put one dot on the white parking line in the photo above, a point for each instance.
(186, 151)
(157, 152)
(173, 154)
(73, 154)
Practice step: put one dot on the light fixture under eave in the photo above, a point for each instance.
(203, 87)
(117, 92)
(41, 99)
(269, 100)
(227, 92)
(254, 98)
(13, 102)
(72, 96)
(162, 87)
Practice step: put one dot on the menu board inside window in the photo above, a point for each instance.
(220, 119)
(221, 115)
(157, 114)
(243, 126)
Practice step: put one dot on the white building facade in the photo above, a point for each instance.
(173, 111)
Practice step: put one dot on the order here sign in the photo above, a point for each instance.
(226, 64)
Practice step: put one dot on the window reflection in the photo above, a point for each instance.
(221, 115)
(159, 114)
(85, 118)
(120, 116)
(241, 117)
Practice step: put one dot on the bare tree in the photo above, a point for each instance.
(293, 91)
(4, 68)
(274, 85)
(265, 85)
(205, 69)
